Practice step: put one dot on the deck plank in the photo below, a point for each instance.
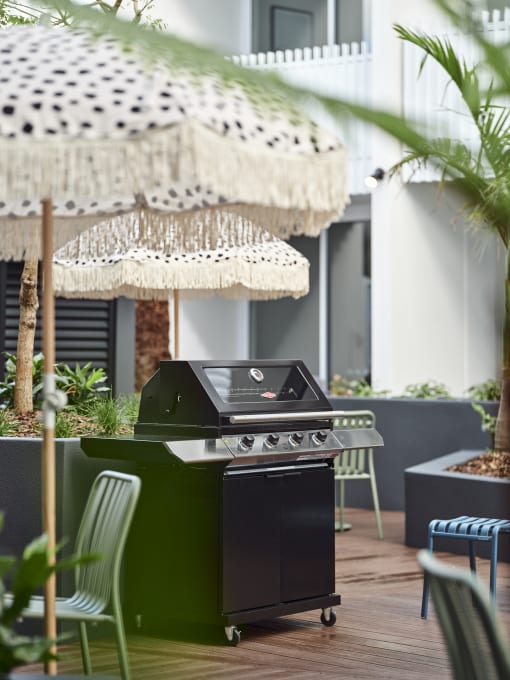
(379, 634)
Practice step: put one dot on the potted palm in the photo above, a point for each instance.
(479, 172)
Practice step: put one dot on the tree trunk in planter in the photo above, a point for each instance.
(152, 338)
(502, 435)
(28, 306)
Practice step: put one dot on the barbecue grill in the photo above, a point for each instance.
(236, 518)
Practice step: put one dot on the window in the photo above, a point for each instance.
(291, 24)
(290, 28)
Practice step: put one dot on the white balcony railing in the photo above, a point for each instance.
(336, 71)
(346, 71)
(431, 99)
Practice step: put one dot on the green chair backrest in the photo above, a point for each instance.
(353, 462)
(103, 530)
(473, 634)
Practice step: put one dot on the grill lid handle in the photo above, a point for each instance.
(277, 417)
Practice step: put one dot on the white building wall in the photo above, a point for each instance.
(222, 24)
(436, 305)
(214, 328)
(446, 294)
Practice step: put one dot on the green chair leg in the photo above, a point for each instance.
(375, 496)
(122, 650)
(342, 525)
(84, 644)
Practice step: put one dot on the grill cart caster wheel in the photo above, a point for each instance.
(233, 635)
(328, 617)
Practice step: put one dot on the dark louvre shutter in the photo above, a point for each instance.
(85, 329)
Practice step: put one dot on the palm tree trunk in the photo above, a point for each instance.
(28, 306)
(502, 437)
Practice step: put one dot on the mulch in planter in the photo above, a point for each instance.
(488, 464)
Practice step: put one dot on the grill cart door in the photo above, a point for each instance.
(278, 537)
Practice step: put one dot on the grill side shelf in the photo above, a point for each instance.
(359, 439)
(127, 448)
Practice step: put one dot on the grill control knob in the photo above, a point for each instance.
(319, 437)
(296, 438)
(272, 440)
(246, 442)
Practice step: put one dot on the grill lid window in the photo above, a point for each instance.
(252, 385)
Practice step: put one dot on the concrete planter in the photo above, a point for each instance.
(414, 431)
(431, 492)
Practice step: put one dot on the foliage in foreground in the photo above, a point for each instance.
(26, 576)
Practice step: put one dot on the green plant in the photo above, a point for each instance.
(489, 390)
(488, 421)
(341, 386)
(81, 384)
(26, 575)
(9, 381)
(427, 390)
(63, 425)
(6, 424)
(128, 405)
(8, 18)
(105, 413)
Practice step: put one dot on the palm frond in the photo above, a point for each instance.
(443, 53)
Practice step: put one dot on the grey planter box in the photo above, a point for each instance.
(433, 493)
(414, 431)
(20, 491)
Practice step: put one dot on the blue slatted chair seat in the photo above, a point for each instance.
(477, 528)
(471, 529)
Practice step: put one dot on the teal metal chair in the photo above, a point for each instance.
(356, 464)
(103, 530)
(474, 636)
(472, 530)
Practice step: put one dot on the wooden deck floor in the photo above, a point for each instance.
(378, 635)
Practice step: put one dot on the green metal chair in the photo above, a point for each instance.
(473, 634)
(103, 530)
(356, 464)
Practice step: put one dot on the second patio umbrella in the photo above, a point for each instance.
(103, 263)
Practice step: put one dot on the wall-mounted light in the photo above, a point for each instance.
(373, 180)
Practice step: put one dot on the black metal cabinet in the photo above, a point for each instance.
(278, 537)
(208, 549)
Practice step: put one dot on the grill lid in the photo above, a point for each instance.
(208, 399)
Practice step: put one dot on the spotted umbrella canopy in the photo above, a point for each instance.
(103, 263)
(93, 127)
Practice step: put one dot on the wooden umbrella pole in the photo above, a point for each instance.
(176, 324)
(48, 457)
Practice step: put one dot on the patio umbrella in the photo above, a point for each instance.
(91, 129)
(150, 140)
(103, 263)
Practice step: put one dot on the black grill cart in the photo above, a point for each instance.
(236, 518)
